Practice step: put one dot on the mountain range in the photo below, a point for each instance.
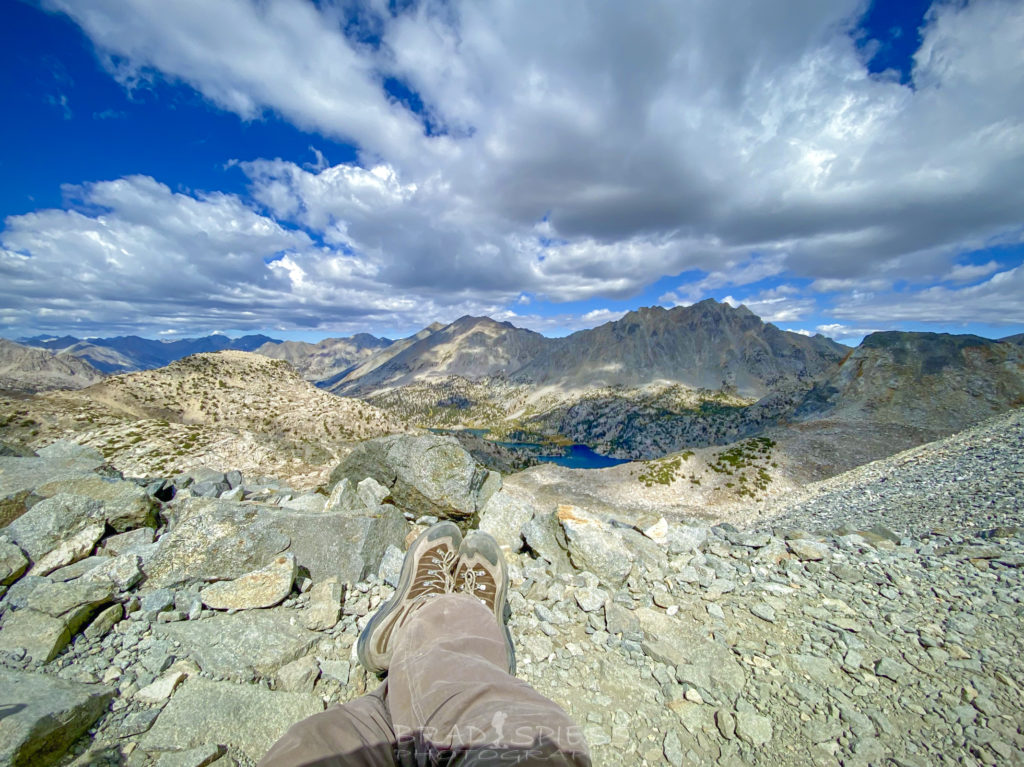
(123, 354)
(708, 345)
(647, 385)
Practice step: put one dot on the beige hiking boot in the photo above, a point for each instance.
(426, 572)
(482, 573)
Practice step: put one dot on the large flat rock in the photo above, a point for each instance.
(241, 645)
(245, 718)
(19, 477)
(41, 716)
(125, 504)
(55, 613)
(341, 545)
(215, 539)
(594, 545)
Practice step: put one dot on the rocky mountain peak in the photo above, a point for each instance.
(24, 368)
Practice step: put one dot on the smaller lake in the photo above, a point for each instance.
(582, 457)
(573, 456)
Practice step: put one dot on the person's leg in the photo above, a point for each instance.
(356, 734)
(450, 693)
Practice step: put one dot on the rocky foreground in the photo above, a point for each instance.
(189, 620)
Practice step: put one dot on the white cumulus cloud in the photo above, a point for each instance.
(570, 151)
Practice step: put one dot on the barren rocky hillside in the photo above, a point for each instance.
(229, 409)
(326, 359)
(23, 368)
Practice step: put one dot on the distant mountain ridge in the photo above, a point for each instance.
(708, 345)
(23, 368)
(124, 354)
(328, 359)
(470, 347)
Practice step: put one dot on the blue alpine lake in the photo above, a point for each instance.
(572, 456)
(582, 457)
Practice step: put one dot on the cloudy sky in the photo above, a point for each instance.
(313, 169)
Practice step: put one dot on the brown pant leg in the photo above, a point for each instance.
(451, 696)
(356, 734)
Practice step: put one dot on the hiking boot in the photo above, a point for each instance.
(427, 572)
(481, 572)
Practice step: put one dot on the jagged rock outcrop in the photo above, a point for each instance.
(424, 474)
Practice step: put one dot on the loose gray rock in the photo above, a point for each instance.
(245, 718)
(324, 606)
(806, 550)
(103, 622)
(122, 571)
(753, 728)
(128, 542)
(125, 504)
(215, 539)
(590, 600)
(338, 670)
(44, 715)
(299, 675)
(242, 645)
(19, 477)
(390, 569)
(200, 756)
(311, 503)
(891, 669)
(265, 587)
(545, 536)
(504, 516)
(673, 749)
(595, 546)
(53, 521)
(12, 561)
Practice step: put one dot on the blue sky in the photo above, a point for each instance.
(302, 170)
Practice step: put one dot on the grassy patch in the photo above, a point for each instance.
(663, 471)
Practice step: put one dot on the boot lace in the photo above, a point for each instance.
(440, 577)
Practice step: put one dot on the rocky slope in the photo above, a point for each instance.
(26, 369)
(471, 348)
(932, 381)
(970, 480)
(225, 410)
(670, 643)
